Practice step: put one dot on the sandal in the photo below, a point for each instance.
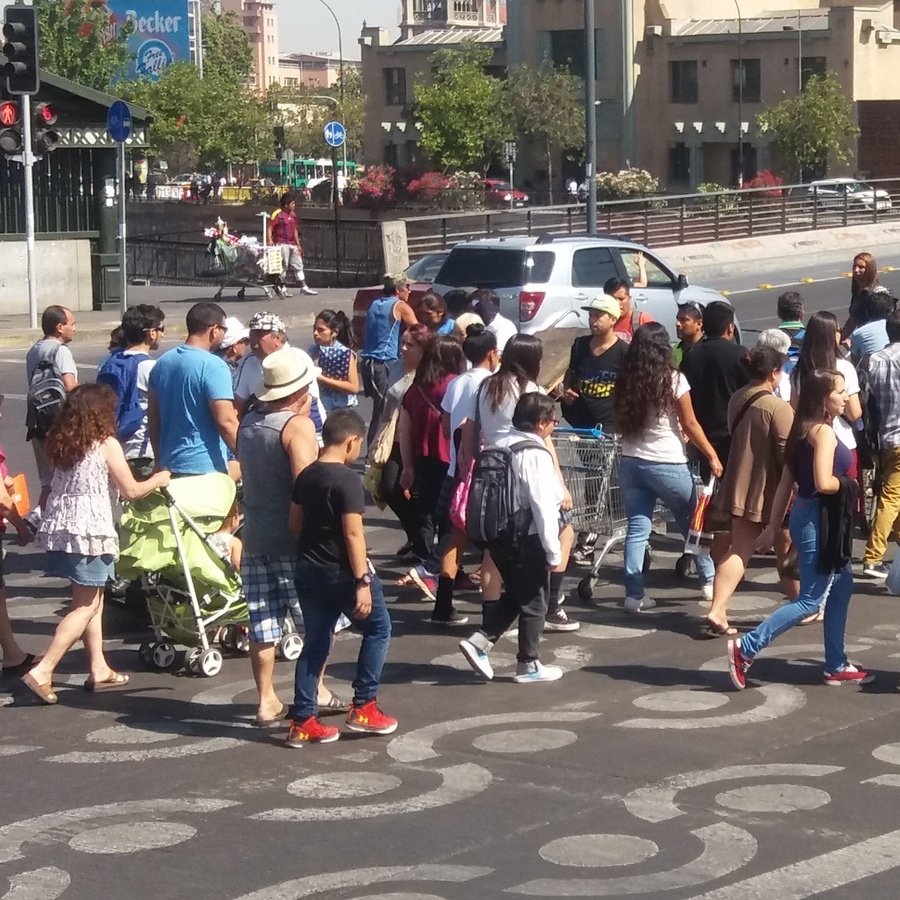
(814, 618)
(113, 680)
(277, 719)
(710, 629)
(405, 581)
(335, 704)
(44, 691)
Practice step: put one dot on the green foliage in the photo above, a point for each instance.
(813, 128)
(726, 202)
(547, 105)
(78, 42)
(207, 121)
(461, 113)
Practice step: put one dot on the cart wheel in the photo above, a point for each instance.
(228, 638)
(241, 293)
(211, 662)
(163, 655)
(145, 654)
(241, 639)
(684, 566)
(290, 646)
(192, 660)
(586, 588)
(648, 560)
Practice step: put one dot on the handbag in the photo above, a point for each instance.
(372, 483)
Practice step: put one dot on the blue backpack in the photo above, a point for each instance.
(120, 373)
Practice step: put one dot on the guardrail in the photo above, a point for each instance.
(665, 221)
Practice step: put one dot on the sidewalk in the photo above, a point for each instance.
(94, 326)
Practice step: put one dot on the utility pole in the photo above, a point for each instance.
(590, 113)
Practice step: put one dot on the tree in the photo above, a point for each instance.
(809, 129)
(462, 114)
(547, 104)
(79, 41)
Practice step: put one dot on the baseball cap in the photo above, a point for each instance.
(234, 333)
(605, 304)
(266, 321)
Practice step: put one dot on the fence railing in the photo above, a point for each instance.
(664, 221)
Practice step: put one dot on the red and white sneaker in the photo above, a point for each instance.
(738, 664)
(311, 731)
(369, 718)
(848, 674)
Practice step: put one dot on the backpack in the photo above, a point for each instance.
(46, 396)
(120, 373)
(868, 441)
(492, 516)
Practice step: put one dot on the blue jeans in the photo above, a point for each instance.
(325, 594)
(642, 483)
(815, 587)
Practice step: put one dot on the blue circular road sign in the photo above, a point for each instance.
(335, 134)
(118, 121)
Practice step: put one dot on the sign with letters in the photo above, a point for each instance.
(160, 36)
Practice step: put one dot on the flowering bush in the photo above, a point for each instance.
(375, 187)
(429, 186)
(626, 184)
(765, 179)
(726, 203)
(462, 190)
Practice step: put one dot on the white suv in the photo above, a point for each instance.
(543, 282)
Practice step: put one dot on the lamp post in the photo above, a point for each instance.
(740, 146)
(340, 50)
(590, 113)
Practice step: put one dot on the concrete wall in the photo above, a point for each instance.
(63, 275)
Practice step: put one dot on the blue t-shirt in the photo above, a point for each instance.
(185, 381)
(869, 338)
(446, 326)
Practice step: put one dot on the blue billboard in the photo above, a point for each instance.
(160, 35)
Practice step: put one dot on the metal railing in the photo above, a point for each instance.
(665, 221)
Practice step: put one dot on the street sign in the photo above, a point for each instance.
(288, 155)
(335, 134)
(118, 121)
(510, 151)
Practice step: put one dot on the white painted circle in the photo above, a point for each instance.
(525, 740)
(132, 837)
(598, 850)
(341, 785)
(611, 632)
(779, 798)
(682, 701)
(889, 753)
(125, 734)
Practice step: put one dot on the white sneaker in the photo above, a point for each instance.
(707, 591)
(639, 604)
(528, 672)
(475, 649)
(308, 291)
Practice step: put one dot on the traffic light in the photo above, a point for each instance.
(44, 137)
(10, 128)
(21, 50)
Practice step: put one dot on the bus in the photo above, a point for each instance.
(302, 174)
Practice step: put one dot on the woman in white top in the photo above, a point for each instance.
(652, 410)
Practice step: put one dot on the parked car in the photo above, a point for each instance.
(543, 282)
(499, 193)
(421, 275)
(835, 192)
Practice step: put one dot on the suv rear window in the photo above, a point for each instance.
(493, 267)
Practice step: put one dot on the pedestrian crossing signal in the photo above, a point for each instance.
(10, 130)
(45, 138)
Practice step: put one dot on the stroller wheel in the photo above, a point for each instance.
(684, 565)
(586, 589)
(241, 639)
(192, 660)
(211, 663)
(163, 655)
(145, 654)
(290, 646)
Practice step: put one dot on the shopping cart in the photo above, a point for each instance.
(242, 262)
(589, 462)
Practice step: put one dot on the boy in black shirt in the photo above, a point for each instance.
(334, 576)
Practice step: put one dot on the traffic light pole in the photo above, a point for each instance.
(28, 165)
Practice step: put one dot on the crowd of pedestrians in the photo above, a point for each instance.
(460, 448)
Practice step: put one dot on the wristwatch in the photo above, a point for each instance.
(363, 580)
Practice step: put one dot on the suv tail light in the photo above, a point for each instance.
(529, 304)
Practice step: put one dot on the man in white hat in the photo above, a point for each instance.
(234, 345)
(276, 442)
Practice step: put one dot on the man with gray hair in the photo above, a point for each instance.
(780, 341)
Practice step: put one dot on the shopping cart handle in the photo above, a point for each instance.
(581, 432)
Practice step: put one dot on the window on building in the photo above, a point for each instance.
(390, 154)
(752, 81)
(679, 164)
(566, 48)
(812, 65)
(395, 86)
(683, 80)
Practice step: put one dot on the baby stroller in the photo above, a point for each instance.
(193, 594)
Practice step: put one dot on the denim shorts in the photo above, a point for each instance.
(89, 571)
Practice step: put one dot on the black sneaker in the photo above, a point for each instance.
(454, 620)
(559, 621)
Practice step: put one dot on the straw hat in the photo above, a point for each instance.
(285, 372)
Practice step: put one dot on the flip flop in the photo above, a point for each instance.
(335, 704)
(713, 630)
(813, 619)
(113, 680)
(43, 691)
(271, 723)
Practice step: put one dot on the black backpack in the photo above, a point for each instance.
(492, 517)
(46, 396)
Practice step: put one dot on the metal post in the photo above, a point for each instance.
(740, 147)
(198, 37)
(590, 112)
(123, 276)
(28, 165)
(337, 219)
(628, 149)
(799, 53)
(512, 186)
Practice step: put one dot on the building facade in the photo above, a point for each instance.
(261, 24)
(390, 69)
(313, 70)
